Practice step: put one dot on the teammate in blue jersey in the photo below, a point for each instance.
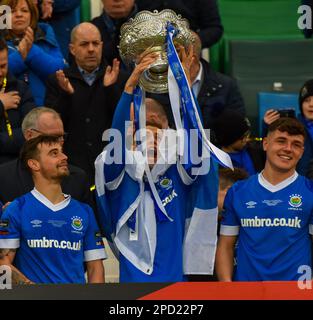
(271, 214)
(48, 234)
(163, 225)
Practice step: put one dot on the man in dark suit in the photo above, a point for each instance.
(15, 178)
(215, 91)
(85, 95)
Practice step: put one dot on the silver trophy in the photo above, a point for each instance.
(147, 32)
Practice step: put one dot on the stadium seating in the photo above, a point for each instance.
(258, 64)
(254, 20)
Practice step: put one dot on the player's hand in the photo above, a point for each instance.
(26, 43)
(5, 205)
(271, 116)
(143, 64)
(186, 58)
(64, 82)
(111, 73)
(10, 100)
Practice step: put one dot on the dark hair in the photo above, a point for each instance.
(3, 44)
(228, 177)
(30, 147)
(290, 125)
(305, 92)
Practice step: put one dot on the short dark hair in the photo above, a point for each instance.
(229, 177)
(290, 125)
(3, 44)
(30, 148)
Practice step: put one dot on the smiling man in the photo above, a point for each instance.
(48, 234)
(270, 214)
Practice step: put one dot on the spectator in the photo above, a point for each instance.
(15, 102)
(271, 214)
(115, 13)
(232, 133)
(202, 15)
(306, 117)
(85, 96)
(215, 92)
(16, 179)
(33, 50)
(49, 234)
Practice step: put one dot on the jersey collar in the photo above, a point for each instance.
(54, 207)
(274, 188)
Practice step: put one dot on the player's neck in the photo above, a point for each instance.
(52, 191)
(274, 176)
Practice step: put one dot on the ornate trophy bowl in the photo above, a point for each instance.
(147, 31)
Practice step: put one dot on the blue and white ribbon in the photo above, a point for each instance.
(140, 123)
(181, 96)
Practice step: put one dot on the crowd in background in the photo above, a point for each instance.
(64, 78)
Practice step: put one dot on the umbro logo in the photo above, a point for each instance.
(36, 223)
(251, 204)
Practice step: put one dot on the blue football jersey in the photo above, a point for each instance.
(52, 241)
(273, 224)
(168, 259)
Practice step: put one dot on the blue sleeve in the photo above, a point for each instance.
(44, 63)
(121, 115)
(93, 243)
(16, 62)
(10, 227)
(230, 223)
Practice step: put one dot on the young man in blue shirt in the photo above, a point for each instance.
(270, 214)
(48, 234)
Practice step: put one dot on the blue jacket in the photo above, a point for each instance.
(43, 59)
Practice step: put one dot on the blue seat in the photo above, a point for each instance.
(276, 100)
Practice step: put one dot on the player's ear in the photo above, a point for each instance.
(33, 164)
